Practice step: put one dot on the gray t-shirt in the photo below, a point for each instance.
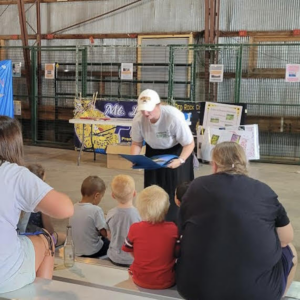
(170, 129)
(86, 222)
(118, 222)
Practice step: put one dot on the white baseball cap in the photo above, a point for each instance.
(147, 100)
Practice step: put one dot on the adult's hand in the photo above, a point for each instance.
(175, 163)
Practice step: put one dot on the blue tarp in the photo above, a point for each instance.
(6, 91)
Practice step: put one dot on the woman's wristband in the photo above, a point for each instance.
(182, 161)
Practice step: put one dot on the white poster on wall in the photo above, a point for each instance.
(221, 115)
(216, 73)
(126, 71)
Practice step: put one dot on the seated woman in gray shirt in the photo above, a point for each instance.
(120, 218)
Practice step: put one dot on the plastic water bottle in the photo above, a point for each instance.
(69, 249)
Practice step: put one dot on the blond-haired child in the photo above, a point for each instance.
(120, 218)
(152, 242)
(88, 222)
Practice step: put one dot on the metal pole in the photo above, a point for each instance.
(33, 96)
(171, 75)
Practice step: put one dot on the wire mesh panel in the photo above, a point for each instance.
(253, 74)
(55, 89)
(273, 103)
(192, 63)
(104, 74)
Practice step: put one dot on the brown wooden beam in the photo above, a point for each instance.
(94, 35)
(24, 37)
(255, 74)
(281, 33)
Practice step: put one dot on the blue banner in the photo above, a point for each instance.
(6, 93)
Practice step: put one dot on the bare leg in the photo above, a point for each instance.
(293, 270)
(44, 261)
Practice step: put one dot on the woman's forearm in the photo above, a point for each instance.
(136, 148)
(187, 150)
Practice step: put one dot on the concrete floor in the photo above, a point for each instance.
(65, 176)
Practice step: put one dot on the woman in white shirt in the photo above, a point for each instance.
(165, 131)
(22, 258)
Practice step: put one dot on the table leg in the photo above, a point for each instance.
(82, 145)
(93, 143)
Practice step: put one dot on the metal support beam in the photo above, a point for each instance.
(24, 37)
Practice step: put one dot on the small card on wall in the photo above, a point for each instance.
(49, 71)
(17, 108)
(292, 73)
(16, 69)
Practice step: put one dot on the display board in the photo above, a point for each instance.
(246, 135)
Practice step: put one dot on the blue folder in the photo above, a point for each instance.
(146, 163)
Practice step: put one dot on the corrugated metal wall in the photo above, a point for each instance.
(146, 16)
(156, 16)
(264, 15)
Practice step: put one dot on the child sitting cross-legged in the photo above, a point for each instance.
(120, 218)
(88, 222)
(152, 242)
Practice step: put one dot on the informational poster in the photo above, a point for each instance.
(16, 66)
(17, 108)
(126, 71)
(292, 73)
(245, 135)
(216, 73)
(49, 71)
(221, 115)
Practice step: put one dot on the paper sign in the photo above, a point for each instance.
(126, 71)
(17, 108)
(16, 69)
(216, 73)
(49, 71)
(292, 73)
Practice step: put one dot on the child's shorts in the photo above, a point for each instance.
(26, 273)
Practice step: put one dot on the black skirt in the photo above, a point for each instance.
(167, 178)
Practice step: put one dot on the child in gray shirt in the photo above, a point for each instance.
(120, 218)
